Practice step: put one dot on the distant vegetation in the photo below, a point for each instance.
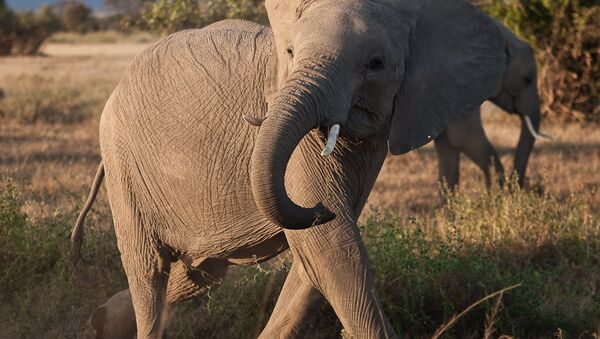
(24, 33)
(564, 33)
(168, 16)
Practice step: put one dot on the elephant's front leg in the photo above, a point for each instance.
(332, 258)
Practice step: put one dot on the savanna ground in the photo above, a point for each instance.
(432, 257)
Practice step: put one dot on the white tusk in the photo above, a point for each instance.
(533, 132)
(331, 140)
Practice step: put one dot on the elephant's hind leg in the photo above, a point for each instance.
(147, 273)
(448, 161)
(115, 319)
(145, 260)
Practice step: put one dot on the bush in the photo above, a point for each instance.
(8, 23)
(32, 30)
(27, 252)
(168, 16)
(24, 33)
(76, 17)
(41, 296)
(566, 36)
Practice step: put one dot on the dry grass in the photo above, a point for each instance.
(53, 165)
(571, 162)
(70, 84)
(102, 37)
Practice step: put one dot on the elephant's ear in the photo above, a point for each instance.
(283, 14)
(271, 79)
(455, 62)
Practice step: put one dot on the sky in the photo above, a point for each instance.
(35, 4)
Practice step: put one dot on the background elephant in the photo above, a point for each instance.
(194, 188)
(518, 95)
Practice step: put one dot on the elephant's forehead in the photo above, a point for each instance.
(342, 16)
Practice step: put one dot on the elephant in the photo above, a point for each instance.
(517, 95)
(217, 141)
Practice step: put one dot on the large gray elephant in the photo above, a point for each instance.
(194, 188)
(517, 95)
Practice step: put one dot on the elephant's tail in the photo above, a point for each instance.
(77, 233)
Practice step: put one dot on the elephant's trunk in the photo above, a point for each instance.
(304, 103)
(527, 138)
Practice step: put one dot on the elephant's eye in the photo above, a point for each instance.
(376, 63)
(290, 51)
(528, 81)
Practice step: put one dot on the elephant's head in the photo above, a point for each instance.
(519, 95)
(408, 67)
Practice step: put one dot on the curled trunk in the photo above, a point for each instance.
(527, 105)
(298, 108)
(525, 146)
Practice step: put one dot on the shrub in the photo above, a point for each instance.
(26, 252)
(41, 296)
(167, 16)
(76, 17)
(24, 33)
(32, 30)
(8, 22)
(566, 36)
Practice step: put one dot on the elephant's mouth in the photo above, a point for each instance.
(362, 121)
(506, 101)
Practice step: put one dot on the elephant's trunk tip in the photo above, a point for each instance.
(323, 215)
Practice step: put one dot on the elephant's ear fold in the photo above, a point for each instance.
(455, 62)
(283, 14)
(271, 81)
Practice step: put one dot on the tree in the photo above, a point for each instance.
(8, 23)
(167, 16)
(76, 17)
(131, 8)
(25, 32)
(33, 29)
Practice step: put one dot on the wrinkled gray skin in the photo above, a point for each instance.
(194, 188)
(518, 95)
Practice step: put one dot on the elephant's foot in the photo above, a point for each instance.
(115, 318)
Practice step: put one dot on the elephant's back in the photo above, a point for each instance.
(181, 73)
(181, 104)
